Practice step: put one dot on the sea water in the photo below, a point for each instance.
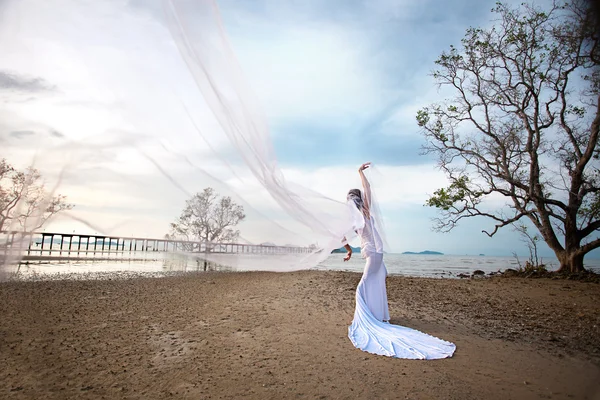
(442, 265)
(160, 264)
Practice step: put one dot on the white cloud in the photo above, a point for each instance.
(394, 186)
(119, 206)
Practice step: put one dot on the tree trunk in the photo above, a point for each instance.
(571, 262)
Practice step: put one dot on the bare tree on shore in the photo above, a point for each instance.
(208, 218)
(523, 126)
(24, 199)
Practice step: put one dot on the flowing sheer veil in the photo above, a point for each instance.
(129, 109)
(374, 175)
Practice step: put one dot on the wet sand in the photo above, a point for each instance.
(264, 335)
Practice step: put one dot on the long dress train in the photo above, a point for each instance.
(368, 331)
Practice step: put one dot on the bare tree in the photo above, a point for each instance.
(209, 219)
(23, 199)
(523, 126)
(531, 240)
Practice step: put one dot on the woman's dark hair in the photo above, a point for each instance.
(356, 196)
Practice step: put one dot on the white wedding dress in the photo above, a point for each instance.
(369, 330)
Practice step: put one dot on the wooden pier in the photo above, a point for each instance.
(66, 244)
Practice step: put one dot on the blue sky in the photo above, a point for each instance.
(339, 83)
(390, 46)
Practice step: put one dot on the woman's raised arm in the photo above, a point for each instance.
(366, 186)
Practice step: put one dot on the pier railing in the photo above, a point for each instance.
(64, 244)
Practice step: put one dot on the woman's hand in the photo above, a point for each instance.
(364, 166)
(348, 256)
(347, 247)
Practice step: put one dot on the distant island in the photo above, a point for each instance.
(343, 250)
(429, 252)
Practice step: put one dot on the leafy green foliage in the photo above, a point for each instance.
(458, 191)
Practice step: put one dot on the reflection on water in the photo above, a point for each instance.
(162, 264)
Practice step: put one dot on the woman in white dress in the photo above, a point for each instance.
(370, 330)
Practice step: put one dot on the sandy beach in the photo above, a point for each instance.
(263, 335)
